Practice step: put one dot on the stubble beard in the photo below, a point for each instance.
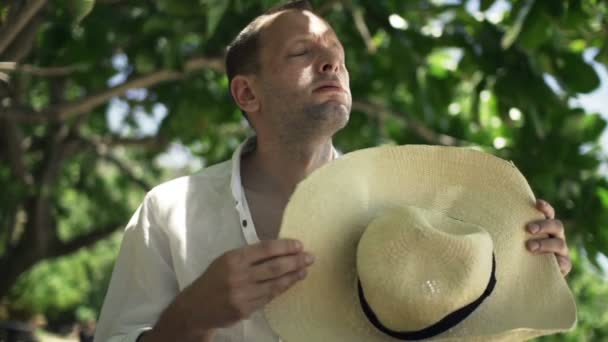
(315, 122)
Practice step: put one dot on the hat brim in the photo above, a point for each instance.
(330, 209)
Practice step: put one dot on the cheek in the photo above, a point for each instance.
(304, 76)
(347, 80)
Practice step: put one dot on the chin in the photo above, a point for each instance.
(341, 116)
(330, 111)
(326, 118)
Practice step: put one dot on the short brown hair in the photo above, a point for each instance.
(243, 53)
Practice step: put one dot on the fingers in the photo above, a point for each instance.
(279, 266)
(549, 245)
(263, 292)
(554, 246)
(274, 287)
(268, 249)
(545, 208)
(551, 227)
(565, 265)
(556, 241)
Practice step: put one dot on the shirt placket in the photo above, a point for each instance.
(244, 213)
(246, 221)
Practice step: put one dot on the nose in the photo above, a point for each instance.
(330, 68)
(330, 63)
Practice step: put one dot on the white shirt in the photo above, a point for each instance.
(178, 230)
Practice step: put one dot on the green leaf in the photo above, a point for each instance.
(79, 9)
(407, 75)
(593, 127)
(144, 63)
(440, 62)
(577, 45)
(584, 127)
(576, 74)
(177, 8)
(157, 23)
(602, 56)
(215, 12)
(266, 4)
(537, 29)
(485, 4)
(513, 32)
(602, 193)
(556, 8)
(238, 5)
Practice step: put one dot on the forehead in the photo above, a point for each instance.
(280, 28)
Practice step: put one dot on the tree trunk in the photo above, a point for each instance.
(14, 265)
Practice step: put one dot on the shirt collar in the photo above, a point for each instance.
(235, 180)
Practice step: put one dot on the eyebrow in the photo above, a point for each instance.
(308, 38)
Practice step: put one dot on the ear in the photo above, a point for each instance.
(244, 94)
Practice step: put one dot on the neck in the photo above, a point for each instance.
(278, 167)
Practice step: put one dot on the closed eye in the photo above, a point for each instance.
(299, 53)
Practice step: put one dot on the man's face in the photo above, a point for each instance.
(303, 81)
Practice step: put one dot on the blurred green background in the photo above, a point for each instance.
(102, 99)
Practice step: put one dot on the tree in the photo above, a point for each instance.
(434, 72)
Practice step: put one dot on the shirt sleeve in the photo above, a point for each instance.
(143, 282)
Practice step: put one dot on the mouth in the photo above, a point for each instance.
(329, 87)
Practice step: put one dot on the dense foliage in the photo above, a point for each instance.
(92, 92)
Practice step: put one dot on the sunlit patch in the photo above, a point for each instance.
(495, 17)
(454, 109)
(495, 122)
(515, 114)
(433, 28)
(398, 22)
(485, 95)
(500, 142)
(306, 76)
(315, 24)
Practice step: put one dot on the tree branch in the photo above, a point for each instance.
(363, 30)
(43, 227)
(69, 110)
(11, 143)
(414, 125)
(102, 151)
(13, 26)
(66, 111)
(60, 248)
(12, 220)
(21, 257)
(57, 151)
(22, 46)
(13, 138)
(22, 114)
(33, 70)
(96, 234)
(327, 6)
(155, 141)
(126, 171)
(84, 106)
(197, 63)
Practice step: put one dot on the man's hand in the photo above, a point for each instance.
(242, 281)
(234, 286)
(555, 242)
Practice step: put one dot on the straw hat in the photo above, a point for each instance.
(418, 242)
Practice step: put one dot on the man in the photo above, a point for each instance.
(192, 266)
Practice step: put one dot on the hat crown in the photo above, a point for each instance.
(416, 266)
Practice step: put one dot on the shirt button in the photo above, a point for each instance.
(244, 223)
